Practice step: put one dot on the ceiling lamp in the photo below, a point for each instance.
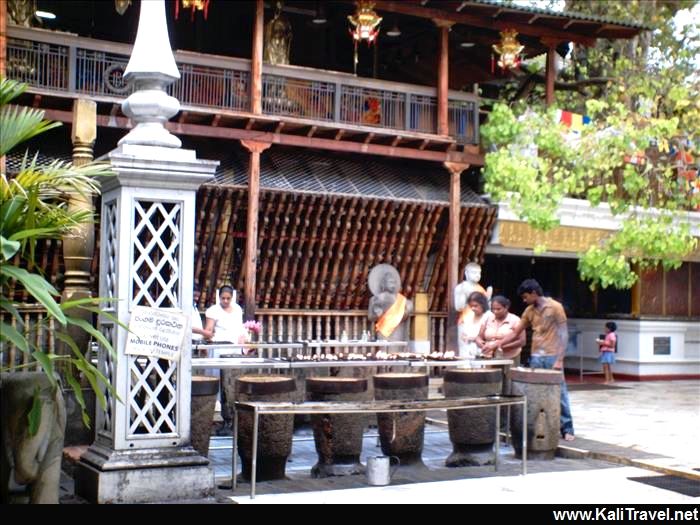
(509, 50)
(320, 16)
(394, 31)
(365, 24)
(121, 6)
(194, 5)
(47, 15)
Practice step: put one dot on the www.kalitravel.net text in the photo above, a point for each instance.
(627, 514)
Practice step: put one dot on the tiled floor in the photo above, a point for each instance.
(656, 422)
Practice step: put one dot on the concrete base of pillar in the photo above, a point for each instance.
(145, 476)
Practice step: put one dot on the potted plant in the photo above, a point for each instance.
(33, 206)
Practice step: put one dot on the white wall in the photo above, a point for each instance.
(635, 355)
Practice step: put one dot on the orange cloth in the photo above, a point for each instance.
(392, 317)
(467, 314)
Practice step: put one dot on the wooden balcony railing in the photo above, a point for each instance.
(37, 329)
(67, 63)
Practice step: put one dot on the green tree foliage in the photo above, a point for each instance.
(641, 95)
(34, 206)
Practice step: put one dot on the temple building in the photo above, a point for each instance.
(343, 146)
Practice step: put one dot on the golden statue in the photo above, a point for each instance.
(21, 12)
(278, 38)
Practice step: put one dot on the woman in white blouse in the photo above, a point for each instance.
(225, 320)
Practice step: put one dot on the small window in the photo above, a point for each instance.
(662, 346)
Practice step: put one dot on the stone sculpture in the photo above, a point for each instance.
(31, 464)
(388, 308)
(466, 330)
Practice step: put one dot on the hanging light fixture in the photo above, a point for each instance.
(121, 6)
(509, 50)
(320, 16)
(394, 31)
(365, 24)
(194, 5)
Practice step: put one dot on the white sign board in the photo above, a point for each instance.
(156, 333)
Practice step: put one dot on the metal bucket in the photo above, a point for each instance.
(380, 471)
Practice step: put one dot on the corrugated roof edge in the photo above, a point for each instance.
(563, 14)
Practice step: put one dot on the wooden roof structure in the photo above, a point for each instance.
(316, 247)
(292, 248)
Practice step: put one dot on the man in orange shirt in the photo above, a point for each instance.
(549, 339)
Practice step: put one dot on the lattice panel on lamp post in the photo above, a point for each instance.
(155, 271)
(152, 396)
(107, 367)
(111, 223)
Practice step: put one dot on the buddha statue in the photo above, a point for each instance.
(278, 38)
(388, 309)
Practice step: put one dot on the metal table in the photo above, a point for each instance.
(238, 362)
(471, 363)
(263, 348)
(333, 407)
(347, 364)
(355, 343)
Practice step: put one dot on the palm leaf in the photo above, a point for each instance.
(34, 415)
(38, 287)
(7, 305)
(46, 362)
(11, 334)
(10, 90)
(20, 124)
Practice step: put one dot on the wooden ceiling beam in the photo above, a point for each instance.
(200, 130)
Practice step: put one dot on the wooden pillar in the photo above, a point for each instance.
(551, 71)
(455, 169)
(3, 38)
(78, 251)
(251, 243)
(257, 59)
(3, 54)
(443, 80)
(636, 294)
(421, 322)
(79, 244)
